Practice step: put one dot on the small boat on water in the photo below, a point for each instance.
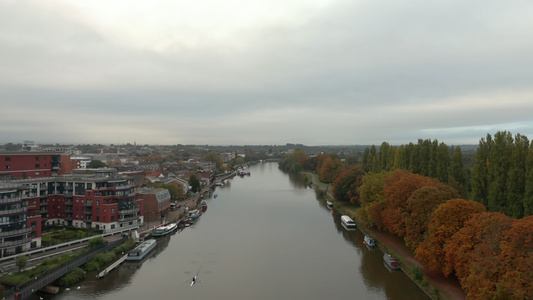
(215, 196)
(203, 205)
(347, 222)
(164, 229)
(142, 250)
(194, 214)
(390, 262)
(329, 204)
(369, 242)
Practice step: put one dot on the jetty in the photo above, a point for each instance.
(111, 267)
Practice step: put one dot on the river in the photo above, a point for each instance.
(265, 236)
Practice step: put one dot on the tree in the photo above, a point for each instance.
(371, 198)
(516, 259)
(214, 157)
(330, 168)
(419, 208)
(445, 221)
(473, 253)
(457, 172)
(95, 164)
(21, 262)
(99, 240)
(345, 187)
(194, 182)
(397, 189)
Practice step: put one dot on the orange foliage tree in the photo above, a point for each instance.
(473, 252)
(419, 208)
(329, 168)
(399, 186)
(516, 259)
(445, 221)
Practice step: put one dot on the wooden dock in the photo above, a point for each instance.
(111, 267)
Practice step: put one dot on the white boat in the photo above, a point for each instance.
(369, 242)
(142, 250)
(347, 222)
(164, 229)
(329, 204)
(390, 262)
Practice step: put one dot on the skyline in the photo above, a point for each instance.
(264, 73)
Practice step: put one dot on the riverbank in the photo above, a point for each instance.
(448, 287)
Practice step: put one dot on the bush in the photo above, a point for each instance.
(96, 241)
(75, 276)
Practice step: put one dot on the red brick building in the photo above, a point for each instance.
(30, 164)
(156, 203)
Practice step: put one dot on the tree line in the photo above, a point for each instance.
(420, 193)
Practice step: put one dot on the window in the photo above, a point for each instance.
(37, 158)
(37, 173)
(113, 210)
(8, 167)
(97, 202)
(37, 165)
(8, 158)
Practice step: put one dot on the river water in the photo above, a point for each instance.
(264, 237)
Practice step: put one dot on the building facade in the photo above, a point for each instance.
(30, 164)
(99, 199)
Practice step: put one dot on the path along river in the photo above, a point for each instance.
(264, 237)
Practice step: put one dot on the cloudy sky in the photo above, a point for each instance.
(235, 72)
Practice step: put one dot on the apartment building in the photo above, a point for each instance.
(30, 164)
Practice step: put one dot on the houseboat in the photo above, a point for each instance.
(369, 242)
(347, 222)
(142, 250)
(164, 229)
(390, 262)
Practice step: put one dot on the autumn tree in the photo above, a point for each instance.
(473, 253)
(398, 187)
(329, 168)
(291, 162)
(420, 205)
(345, 187)
(516, 259)
(445, 221)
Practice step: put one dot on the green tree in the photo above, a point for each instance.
(21, 262)
(214, 157)
(95, 164)
(96, 241)
(457, 172)
(194, 182)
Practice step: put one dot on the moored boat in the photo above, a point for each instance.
(329, 204)
(203, 205)
(390, 262)
(369, 242)
(194, 214)
(164, 229)
(142, 250)
(347, 222)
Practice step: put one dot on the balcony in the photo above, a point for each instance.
(68, 210)
(68, 202)
(15, 232)
(88, 204)
(14, 211)
(43, 211)
(10, 200)
(128, 219)
(129, 211)
(87, 212)
(15, 243)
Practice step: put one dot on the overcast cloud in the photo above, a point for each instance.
(271, 72)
